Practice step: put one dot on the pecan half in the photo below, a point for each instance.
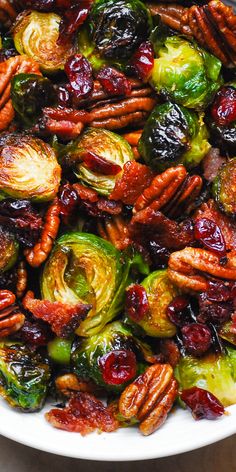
(150, 398)
(68, 384)
(170, 13)
(11, 319)
(116, 231)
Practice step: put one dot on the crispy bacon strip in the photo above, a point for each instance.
(135, 178)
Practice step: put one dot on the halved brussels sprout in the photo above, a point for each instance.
(24, 377)
(214, 372)
(28, 168)
(104, 144)
(59, 350)
(35, 34)
(84, 267)
(224, 188)
(108, 358)
(185, 73)
(173, 135)
(29, 94)
(9, 250)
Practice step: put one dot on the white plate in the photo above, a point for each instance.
(179, 434)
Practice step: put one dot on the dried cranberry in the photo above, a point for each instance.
(158, 253)
(204, 405)
(224, 107)
(41, 5)
(196, 338)
(221, 291)
(178, 311)
(100, 165)
(113, 81)
(216, 313)
(68, 201)
(143, 60)
(79, 73)
(63, 96)
(136, 302)
(20, 217)
(35, 333)
(210, 235)
(73, 17)
(118, 366)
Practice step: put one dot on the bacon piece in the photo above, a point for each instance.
(135, 178)
(95, 205)
(83, 414)
(211, 164)
(62, 317)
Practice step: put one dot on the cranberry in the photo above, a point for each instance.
(113, 81)
(35, 333)
(79, 73)
(210, 235)
(118, 366)
(204, 405)
(143, 60)
(72, 18)
(68, 201)
(100, 165)
(221, 291)
(196, 338)
(178, 311)
(224, 107)
(159, 254)
(63, 96)
(42, 5)
(216, 313)
(136, 302)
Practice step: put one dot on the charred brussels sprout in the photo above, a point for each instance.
(9, 250)
(224, 188)
(28, 168)
(108, 358)
(86, 268)
(173, 135)
(99, 156)
(24, 377)
(185, 73)
(214, 372)
(119, 27)
(35, 34)
(29, 94)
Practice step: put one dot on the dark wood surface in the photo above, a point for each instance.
(219, 457)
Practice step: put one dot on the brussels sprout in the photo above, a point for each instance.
(185, 73)
(173, 135)
(35, 34)
(29, 94)
(224, 188)
(214, 372)
(108, 358)
(28, 168)
(9, 250)
(24, 377)
(104, 144)
(226, 333)
(59, 350)
(84, 267)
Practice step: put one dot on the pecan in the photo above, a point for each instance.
(7, 13)
(11, 319)
(170, 13)
(68, 384)
(186, 267)
(9, 68)
(150, 397)
(22, 277)
(116, 231)
(39, 253)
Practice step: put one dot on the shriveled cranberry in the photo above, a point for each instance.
(73, 17)
(224, 107)
(118, 366)
(210, 235)
(196, 338)
(35, 333)
(221, 291)
(178, 311)
(69, 199)
(63, 96)
(204, 404)
(113, 81)
(136, 302)
(216, 313)
(79, 73)
(143, 60)
(158, 253)
(100, 165)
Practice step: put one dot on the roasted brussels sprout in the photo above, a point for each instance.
(29, 94)
(108, 358)
(185, 73)
(35, 34)
(224, 188)
(173, 135)
(59, 350)
(9, 250)
(28, 168)
(99, 156)
(84, 267)
(24, 377)
(214, 372)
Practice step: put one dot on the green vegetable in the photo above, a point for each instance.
(29, 94)
(224, 188)
(215, 373)
(172, 135)
(225, 333)
(59, 350)
(28, 168)
(9, 250)
(24, 377)
(84, 267)
(185, 73)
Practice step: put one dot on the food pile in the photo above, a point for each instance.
(117, 210)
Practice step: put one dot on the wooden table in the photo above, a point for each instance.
(220, 457)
